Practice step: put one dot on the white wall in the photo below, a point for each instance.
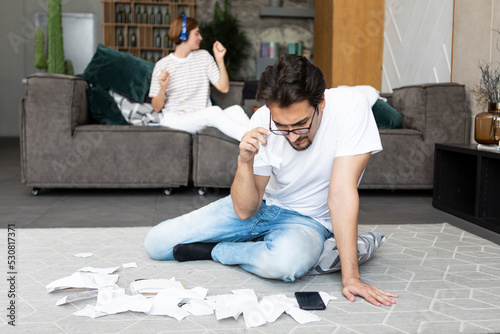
(475, 41)
(17, 28)
(417, 42)
(11, 66)
(78, 37)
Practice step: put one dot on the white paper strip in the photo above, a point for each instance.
(81, 280)
(129, 265)
(83, 255)
(99, 270)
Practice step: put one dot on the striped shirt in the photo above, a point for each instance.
(189, 85)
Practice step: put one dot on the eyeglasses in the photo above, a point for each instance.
(300, 131)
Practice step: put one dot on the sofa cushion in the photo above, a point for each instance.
(103, 107)
(120, 72)
(386, 116)
(329, 260)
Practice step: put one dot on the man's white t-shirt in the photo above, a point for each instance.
(300, 179)
(189, 84)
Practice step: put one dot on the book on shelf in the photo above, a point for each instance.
(295, 48)
(268, 49)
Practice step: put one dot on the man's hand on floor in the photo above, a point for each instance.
(355, 287)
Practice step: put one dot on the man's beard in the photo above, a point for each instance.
(301, 148)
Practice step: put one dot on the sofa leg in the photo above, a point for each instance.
(202, 191)
(35, 191)
(167, 191)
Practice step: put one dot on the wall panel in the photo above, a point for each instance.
(417, 42)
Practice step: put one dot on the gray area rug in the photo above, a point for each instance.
(448, 281)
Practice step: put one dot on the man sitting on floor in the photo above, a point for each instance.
(295, 185)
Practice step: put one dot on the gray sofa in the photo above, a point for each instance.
(60, 147)
(432, 113)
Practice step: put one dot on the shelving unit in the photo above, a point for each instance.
(141, 27)
(466, 183)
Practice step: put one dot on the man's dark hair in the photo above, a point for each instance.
(292, 79)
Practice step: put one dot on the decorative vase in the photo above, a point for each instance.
(487, 129)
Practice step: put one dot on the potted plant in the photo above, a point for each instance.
(52, 59)
(226, 29)
(487, 124)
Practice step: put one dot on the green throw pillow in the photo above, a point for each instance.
(103, 107)
(120, 72)
(386, 116)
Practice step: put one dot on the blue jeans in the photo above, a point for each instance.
(285, 245)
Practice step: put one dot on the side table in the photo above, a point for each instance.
(467, 183)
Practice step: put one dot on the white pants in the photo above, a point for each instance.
(232, 121)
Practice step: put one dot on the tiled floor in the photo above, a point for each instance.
(446, 270)
(448, 281)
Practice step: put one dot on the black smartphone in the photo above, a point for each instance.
(310, 300)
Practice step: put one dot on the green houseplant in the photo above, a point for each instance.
(226, 29)
(52, 59)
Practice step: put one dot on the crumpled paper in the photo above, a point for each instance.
(168, 297)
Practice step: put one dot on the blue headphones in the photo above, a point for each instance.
(183, 36)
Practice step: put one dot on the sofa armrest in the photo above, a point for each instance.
(438, 111)
(52, 107)
(58, 97)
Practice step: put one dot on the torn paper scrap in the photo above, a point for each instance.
(99, 270)
(82, 280)
(178, 302)
(227, 306)
(253, 314)
(199, 291)
(129, 265)
(166, 304)
(150, 287)
(83, 255)
(301, 316)
(246, 295)
(168, 297)
(272, 308)
(90, 312)
(62, 301)
(113, 301)
(187, 294)
(199, 307)
(277, 303)
(326, 297)
(284, 301)
(77, 296)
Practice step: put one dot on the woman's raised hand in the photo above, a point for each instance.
(164, 77)
(219, 50)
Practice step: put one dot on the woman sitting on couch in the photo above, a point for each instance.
(180, 86)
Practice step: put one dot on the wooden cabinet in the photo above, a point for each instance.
(348, 41)
(141, 27)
